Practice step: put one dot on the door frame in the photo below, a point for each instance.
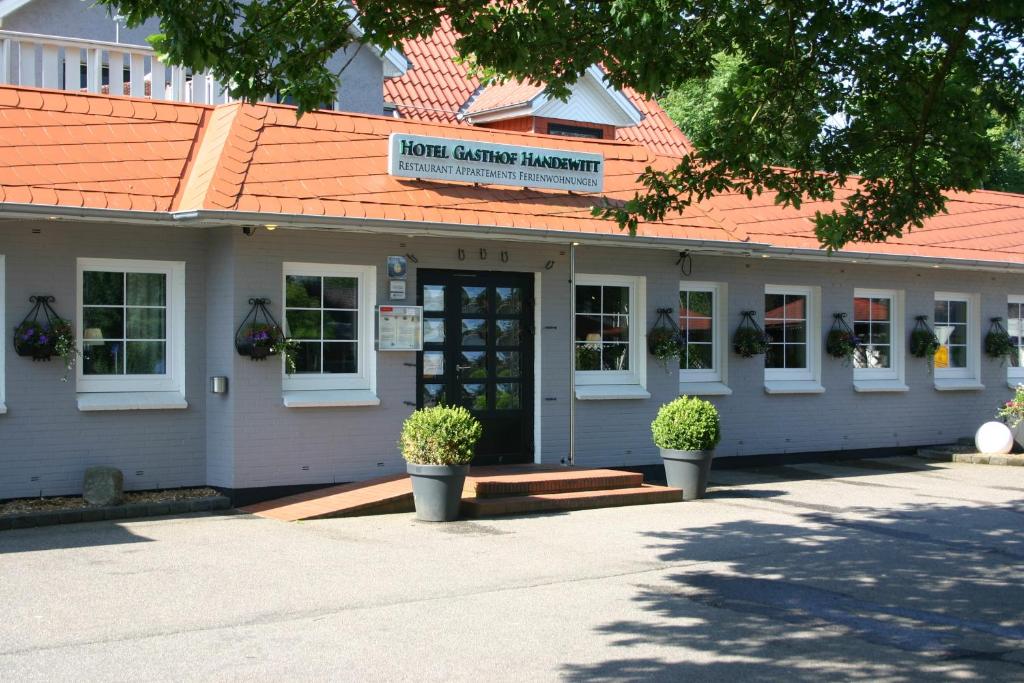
(537, 347)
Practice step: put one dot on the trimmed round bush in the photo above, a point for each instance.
(686, 424)
(440, 436)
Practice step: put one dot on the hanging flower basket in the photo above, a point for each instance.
(841, 342)
(749, 340)
(923, 342)
(43, 334)
(665, 340)
(997, 342)
(260, 336)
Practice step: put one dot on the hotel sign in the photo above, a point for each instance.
(471, 161)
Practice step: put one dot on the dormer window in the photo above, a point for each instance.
(575, 131)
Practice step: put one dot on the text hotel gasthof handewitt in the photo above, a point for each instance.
(470, 161)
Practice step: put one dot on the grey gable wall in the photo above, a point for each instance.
(362, 87)
(248, 439)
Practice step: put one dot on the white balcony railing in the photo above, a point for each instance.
(57, 63)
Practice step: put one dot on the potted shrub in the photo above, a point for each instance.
(687, 431)
(438, 443)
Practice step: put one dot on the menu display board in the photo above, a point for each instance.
(399, 328)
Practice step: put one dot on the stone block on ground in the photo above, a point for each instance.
(103, 486)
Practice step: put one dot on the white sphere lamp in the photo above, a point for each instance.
(993, 438)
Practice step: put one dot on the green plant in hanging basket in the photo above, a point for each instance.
(841, 344)
(749, 342)
(923, 343)
(260, 340)
(664, 344)
(998, 343)
(42, 341)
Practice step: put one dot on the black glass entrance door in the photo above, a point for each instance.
(478, 353)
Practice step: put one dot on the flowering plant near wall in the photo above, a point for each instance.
(43, 340)
(664, 344)
(264, 340)
(1012, 412)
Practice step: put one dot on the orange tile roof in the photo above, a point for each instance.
(98, 151)
(501, 95)
(437, 88)
(63, 149)
(437, 85)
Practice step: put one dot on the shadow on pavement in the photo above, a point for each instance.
(67, 536)
(907, 594)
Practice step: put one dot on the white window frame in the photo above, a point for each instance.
(3, 335)
(710, 382)
(892, 378)
(1014, 375)
(173, 380)
(365, 380)
(805, 380)
(636, 376)
(966, 378)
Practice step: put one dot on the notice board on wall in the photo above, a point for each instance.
(399, 328)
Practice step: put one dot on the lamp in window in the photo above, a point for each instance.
(92, 336)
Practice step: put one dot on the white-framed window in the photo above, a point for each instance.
(610, 335)
(702, 315)
(329, 311)
(3, 336)
(878, 324)
(1015, 328)
(792, 321)
(131, 328)
(957, 362)
(956, 327)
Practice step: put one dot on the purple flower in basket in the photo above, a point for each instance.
(261, 336)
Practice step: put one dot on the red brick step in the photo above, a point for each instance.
(558, 481)
(570, 500)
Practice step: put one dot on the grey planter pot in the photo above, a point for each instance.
(687, 470)
(437, 490)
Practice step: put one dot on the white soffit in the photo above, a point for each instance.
(591, 100)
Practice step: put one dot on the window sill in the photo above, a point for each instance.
(1014, 382)
(704, 389)
(806, 386)
(611, 392)
(131, 400)
(958, 385)
(866, 386)
(3, 408)
(340, 398)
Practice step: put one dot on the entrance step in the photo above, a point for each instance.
(377, 496)
(498, 490)
(570, 500)
(557, 481)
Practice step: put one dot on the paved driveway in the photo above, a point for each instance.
(885, 570)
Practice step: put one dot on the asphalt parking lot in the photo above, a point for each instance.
(895, 569)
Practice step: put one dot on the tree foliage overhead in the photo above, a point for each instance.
(900, 93)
